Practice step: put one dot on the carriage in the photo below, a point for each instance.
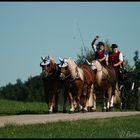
(130, 91)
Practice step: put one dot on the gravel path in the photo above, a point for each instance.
(44, 118)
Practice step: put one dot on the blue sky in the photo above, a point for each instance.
(29, 30)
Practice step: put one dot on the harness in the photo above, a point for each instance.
(53, 75)
(106, 76)
(75, 77)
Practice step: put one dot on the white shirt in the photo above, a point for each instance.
(120, 56)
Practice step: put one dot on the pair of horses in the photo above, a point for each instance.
(75, 81)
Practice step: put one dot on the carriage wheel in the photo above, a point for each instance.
(123, 97)
(137, 108)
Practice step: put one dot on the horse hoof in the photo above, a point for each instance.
(64, 111)
(103, 110)
(91, 110)
(111, 109)
(50, 112)
(55, 111)
(77, 110)
(71, 112)
(107, 110)
(84, 110)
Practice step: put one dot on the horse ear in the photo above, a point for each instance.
(47, 57)
(88, 62)
(42, 58)
(60, 59)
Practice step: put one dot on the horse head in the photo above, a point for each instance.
(69, 68)
(64, 68)
(48, 66)
(92, 64)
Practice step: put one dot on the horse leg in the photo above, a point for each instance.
(75, 104)
(78, 99)
(111, 103)
(85, 99)
(110, 99)
(64, 101)
(89, 102)
(104, 104)
(55, 108)
(93, 95)
(104, 107)
(94, 102)
(51, 103)
(71, 102)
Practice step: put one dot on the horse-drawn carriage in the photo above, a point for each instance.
(130, 90)
(79, 80)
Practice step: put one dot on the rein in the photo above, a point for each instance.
(52, 75)
(66, 77)
(100, 70)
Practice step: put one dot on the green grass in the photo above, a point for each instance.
(10, 107)
(116, 127)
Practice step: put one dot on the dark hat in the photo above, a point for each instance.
(114, 46)
(100, 44)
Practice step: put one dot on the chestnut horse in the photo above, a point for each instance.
(107, 80)
(53, 85)
(79, 81)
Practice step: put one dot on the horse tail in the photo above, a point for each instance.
(99, 77)
(117, 95)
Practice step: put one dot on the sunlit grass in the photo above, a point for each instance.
(116, 127)
(9, 107)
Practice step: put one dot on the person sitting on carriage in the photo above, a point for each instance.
(101, 54)
(115, 59)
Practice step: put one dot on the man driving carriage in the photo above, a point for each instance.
(115, 59)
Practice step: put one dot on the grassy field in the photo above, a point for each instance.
(9, 107)
(117, 127)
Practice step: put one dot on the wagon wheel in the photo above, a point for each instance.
(137, 108)
(123, 96)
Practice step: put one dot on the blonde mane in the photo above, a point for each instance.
(101, 71)
(73, 68)
(52, 60)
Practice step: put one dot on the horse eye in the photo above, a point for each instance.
(66, 68)
(48, 65)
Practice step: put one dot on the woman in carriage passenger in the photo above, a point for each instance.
(101, 54)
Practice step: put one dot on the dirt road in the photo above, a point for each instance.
(44, 118)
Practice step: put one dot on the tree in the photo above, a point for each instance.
(85, 54)
(136, 61)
